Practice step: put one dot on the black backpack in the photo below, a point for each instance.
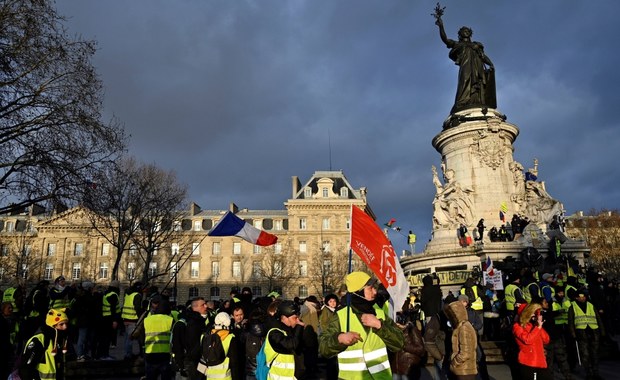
(212, 350)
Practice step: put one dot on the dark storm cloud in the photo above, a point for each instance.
(238, 96)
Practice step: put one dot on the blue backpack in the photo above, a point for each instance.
(262, 369)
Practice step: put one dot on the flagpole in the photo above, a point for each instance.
(350, 268)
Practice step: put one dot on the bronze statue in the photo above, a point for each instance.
(476, 85)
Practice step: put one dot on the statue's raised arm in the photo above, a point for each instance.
(476, 84)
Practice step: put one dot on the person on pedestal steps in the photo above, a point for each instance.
(480, 226)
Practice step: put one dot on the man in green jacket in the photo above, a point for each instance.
(360, 333)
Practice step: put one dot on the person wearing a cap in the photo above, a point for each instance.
(531, 339)
(283, 344)
(585, 325)
(232, 367)
(546, 287)
(43, 355)
(360, 333)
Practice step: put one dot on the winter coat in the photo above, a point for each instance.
(254, 337)
(464, 340)
(412, 352)
(530, 339)
(310, 315)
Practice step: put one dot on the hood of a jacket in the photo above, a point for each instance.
(456, 312)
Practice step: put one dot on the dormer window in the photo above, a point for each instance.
(344, 192)
(325, 192)
(308, 192)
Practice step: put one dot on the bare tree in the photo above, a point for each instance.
(277, 268)
(20, 260)
(327, 271)
(51, 136)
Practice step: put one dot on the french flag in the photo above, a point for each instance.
(232, 225)
(489, 266)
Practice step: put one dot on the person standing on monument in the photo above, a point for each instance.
(480, 227)
(476, 84)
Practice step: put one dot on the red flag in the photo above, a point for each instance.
(374, 248)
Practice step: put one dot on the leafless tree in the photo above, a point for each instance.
(327, 271)
(51, 134)
(277, 268)
(21, 260)
(133, 203)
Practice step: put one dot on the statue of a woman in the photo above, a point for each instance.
(476, 85)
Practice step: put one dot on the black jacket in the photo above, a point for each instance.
(185, 340)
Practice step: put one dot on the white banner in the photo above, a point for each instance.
(496, 279)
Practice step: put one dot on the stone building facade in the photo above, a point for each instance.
(310, 257)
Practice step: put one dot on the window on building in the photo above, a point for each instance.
(325, 192)
(215, 268)
(131, 270)
(257, 249)
(133, 250)
(49, 271)
(236, 269)
(27, 250)
(257, 269)
(277, 248)
(303, 248)
(51, 249)
(25, 270)
(303, 268)
(325, 224)
(194, 271)
(303, 291)
(173, 269)
(257, 291)
(176, 225)
(10, 226)
(344, 192)
(4, 250)
(217, 248)
(152, 269)
(197, 225)
(348, 223)
(302, 223)
(105, 249)
(326, 246)
(78, 250)
(215, 293)
(103, 270)
(76, 271)
(277, 268)
(174, 249)
(193, 292)
(308, 192)
(258, 223)
(277, 225)
(195, 249)
(327, 266)
(236, 248)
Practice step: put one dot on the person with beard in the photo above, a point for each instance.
(185, 339)
(284, 343)
(44, 354)
(361, 334)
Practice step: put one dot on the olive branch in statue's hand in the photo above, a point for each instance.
(438, 12)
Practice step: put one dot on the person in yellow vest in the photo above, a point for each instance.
(60, 294)
(14, 295)
(157, 330)
(476, 296)
(44, 354)
(284, 343)
(35, 308)
(111, 316)
(586, 327)
(132, 310)
(232, 367)
(361, 334)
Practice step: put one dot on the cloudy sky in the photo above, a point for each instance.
(238, 96)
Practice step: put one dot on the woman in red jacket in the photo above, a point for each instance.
(531, 337)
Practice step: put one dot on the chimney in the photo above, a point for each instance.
(194, 209)
(296, 185)
(233, 208)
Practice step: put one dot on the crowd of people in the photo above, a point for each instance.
(547, 323)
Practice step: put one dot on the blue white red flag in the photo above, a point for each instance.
(232, 225)
(489, 266)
